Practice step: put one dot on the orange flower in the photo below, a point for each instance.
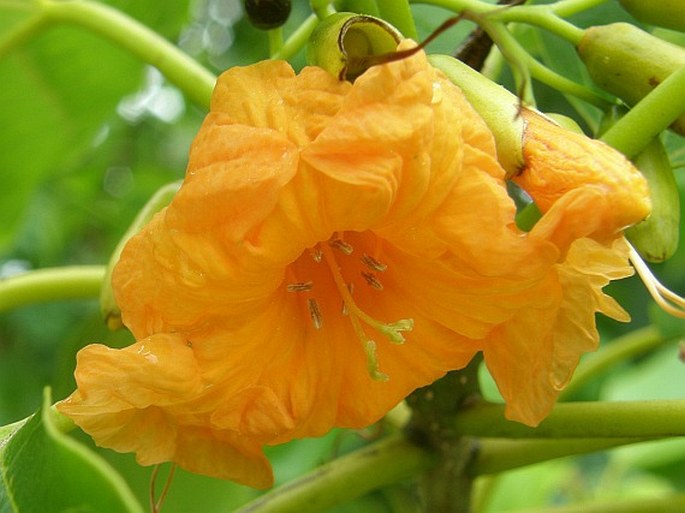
(321, 224)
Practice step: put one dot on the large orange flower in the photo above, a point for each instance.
(335, 246)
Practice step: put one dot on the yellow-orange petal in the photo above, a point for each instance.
(533, 356)
(148, 399)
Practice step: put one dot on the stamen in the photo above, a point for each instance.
(370, 350)
(372, 362)
(391, 330)
(342, 246)
(372, 280)
(302, 286)
(669, 301)
(315, 313)
(373, 264)
(316, 255)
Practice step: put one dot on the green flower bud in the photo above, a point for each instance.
(268, 14)
(344, 43)
(662, 13)
(629, 62)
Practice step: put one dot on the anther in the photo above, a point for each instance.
(302, 286)
(315, 313)
(372, 280)
(342, 246)
(373, 264)
(316, 255)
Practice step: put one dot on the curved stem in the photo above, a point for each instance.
(566, 8)
(297, 39)
(540, 16)
(622, 348)
(50, 285)
(654, 113)
(180, 69)
(21, 33)
(376, 465)
(517, 55)
(629, 419)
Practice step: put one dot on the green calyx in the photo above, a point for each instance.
(629, 62)
(347, 44)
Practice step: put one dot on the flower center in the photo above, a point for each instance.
(335, 270)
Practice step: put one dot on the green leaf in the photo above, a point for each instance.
(43, 471)
(59, 91)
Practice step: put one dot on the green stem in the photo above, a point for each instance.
(519, 58)
(629, 419)
(50, 285)
(667, 504)
(398, 14)
(498, 455)
(567, 8)
(297, 39)
(180, 69)
(540, 16)
(387, 461)
(632, 344)
(322, 8)
(275, 40)
(21, 33)
(653, 114)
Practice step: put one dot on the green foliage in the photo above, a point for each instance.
(44, 471)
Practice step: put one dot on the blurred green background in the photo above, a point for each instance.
(89, 133)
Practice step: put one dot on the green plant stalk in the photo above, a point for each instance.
(629, 419)
(398, 14)
(21, 33)
(544, 16)
(653, 114)
(374, 466)
(322, 8)
(275, 40)
(498, 455)
(627, 346)
(674, 503)
(566, 8)
(517, 56)
(180, 69)
(297, 39)
(51, 284)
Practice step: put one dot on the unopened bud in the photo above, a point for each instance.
(629, 62)
(662, 13)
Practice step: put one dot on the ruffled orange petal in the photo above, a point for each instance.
(144, 399)
(533, 356)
